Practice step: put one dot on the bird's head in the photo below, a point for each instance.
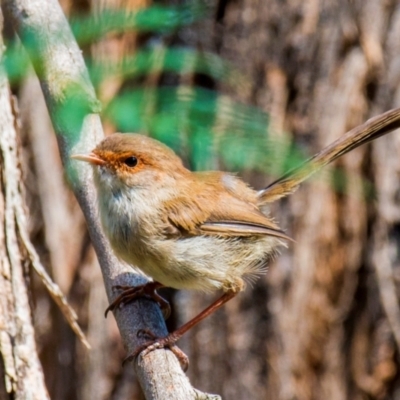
(133, 161)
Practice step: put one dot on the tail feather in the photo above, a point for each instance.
(370, 130)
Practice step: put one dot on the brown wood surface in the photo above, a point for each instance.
(324, 323)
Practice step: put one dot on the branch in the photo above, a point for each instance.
(45, 33)
(21, 375)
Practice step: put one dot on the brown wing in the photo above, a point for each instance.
(239, 228)
(228, 216)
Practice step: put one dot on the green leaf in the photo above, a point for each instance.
(161, 19)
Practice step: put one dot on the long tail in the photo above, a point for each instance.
(370, 130)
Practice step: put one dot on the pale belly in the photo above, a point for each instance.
(204, 262)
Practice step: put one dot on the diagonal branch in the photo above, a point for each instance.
(45, 33)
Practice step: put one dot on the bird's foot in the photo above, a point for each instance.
(130, 293)
(155, 342)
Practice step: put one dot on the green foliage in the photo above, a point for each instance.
(204, 124)
(209, 129)
(163, 59)
(16, 62)
(155, 19)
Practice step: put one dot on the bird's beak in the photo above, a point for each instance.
(90, 158)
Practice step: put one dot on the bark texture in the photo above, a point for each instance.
(324, 323)
(21, 372)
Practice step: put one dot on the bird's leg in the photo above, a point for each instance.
(170, 340)
(147, 290)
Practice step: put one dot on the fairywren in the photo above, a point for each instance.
(194, 230)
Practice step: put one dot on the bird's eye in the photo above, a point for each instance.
(131, 161)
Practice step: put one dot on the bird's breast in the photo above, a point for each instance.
(130, 219)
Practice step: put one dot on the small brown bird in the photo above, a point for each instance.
(194, 230)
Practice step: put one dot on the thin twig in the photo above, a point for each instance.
(52, 287)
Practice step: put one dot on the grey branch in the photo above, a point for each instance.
(60, 67)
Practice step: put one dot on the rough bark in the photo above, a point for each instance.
(324, 321)
(22, 375)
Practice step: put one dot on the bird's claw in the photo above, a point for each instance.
(131, 293)
(158, 343)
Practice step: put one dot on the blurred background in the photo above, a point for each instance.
(253, 86)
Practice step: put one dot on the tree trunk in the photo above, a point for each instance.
(21, 372)
(324, 322)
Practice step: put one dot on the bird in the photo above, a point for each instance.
(203, 231)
